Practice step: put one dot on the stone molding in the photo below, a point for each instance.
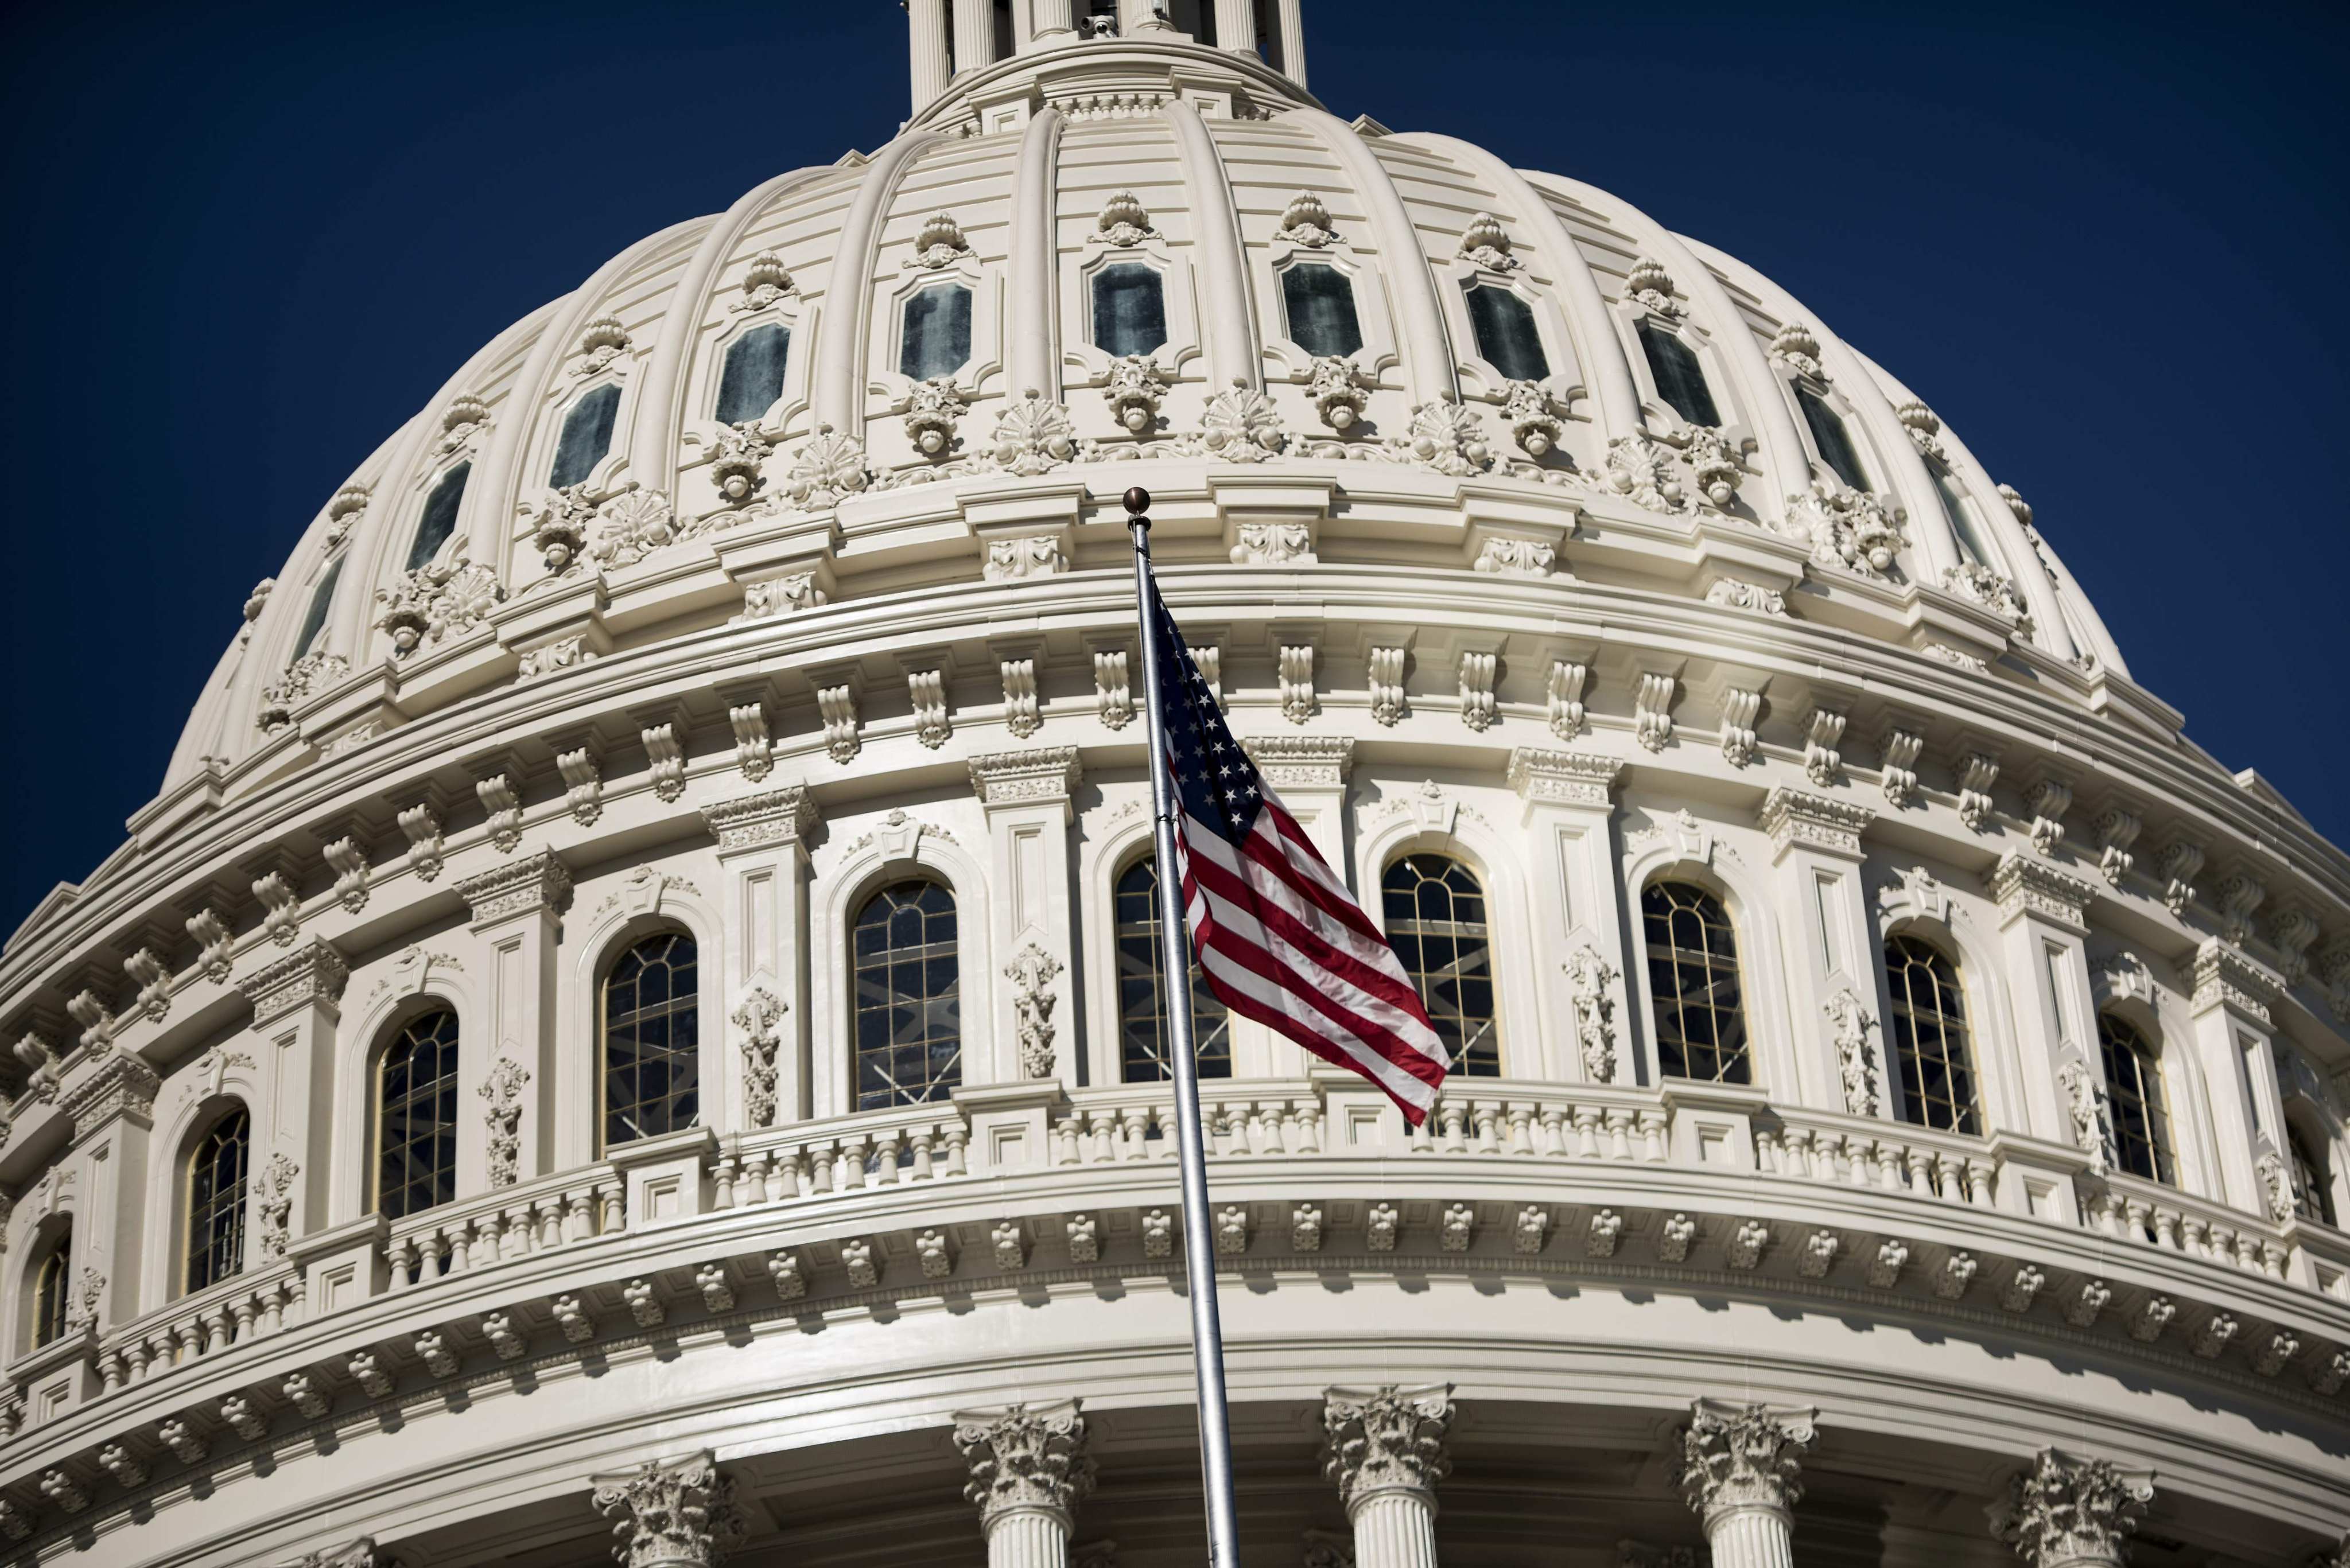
(1302, 761)
(1022, 778)
(756, 821)
(1793, 817)
(315, 973)
(2025, 884)
(2225, 976)
(1564, 778)
(119, 1085)
(536, 882)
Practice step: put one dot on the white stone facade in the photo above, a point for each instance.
(742, 676)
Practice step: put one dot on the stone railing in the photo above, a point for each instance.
(512, 1222)
(237, 1311)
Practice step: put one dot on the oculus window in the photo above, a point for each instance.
(1681, 380)
(1693, 978)
(652, 1040)
(1142, 1043)
(935, 339)
(1130, 309)
(752, 376)
(1507, 338)
(1319, 301)
(586, 436)
(906, 975)
(1435, 910)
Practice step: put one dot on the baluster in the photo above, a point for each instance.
(854, 1154)
(2124, 1217)
(520, 1236)
(1652, 1133)
(1619, 1134)
(272, 1311)
(191, 1340)
(1983, 1183)
(1553, 1130)
(1949, 1179)
(2273, 1260)
(1309, 1127)
(216, 1331)
(2248, 1252)
(137, 1355)
(1888, 1165)
(1486, 1116)
(921, 1140)
(110, 1371)
(613, 1206)
(957, 1135)
(1284, 1128)
(1921, 1173)
(291, 1307)
(1769, 1158)
(1108, 1135)
(1133, 1140)
(1422, 1139)
(578, 1214)
(721, 1182)
(885, 1167)
(399, 1258)
(1521, 1121)
(1456, 1120)
(820, 1163)
(2166, 1228)
(1797, 1142)
(1586, 1132)
(245, 1309)
(784, 1175)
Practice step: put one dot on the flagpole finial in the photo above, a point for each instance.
(1137, 502)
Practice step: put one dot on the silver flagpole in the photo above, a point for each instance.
(1175, 971)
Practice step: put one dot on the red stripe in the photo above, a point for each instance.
(1282, 1024)
(1390, 987)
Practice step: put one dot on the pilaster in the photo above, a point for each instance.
(670, 1513)
(2234, 1039)
(1739, 1469)
(1569, 806)
(1025, 796)
(297, 1004)
(1816, 858)
(1386, 1452)
(512, 1074)
(2071, 1513)
(1028, 1470)
(2044, 919)
(762, 848)
(112, 1107)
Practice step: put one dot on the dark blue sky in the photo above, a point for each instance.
(2105, 245)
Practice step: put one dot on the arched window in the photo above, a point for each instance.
(322, 603)
(1829, 435)
(906, 973)
(440, 519)
(1507, 338)
(1435, 912)
(216, 1181)
(1130, 309)
(936, 338)
(752, 376)
(52, 1289)
(1319, 301)
(2133, 1090)
(2313, 1191)
(1930, 1048)
(652, 1040)
(587, 435)
(1142, 1046)
(1681, 380)
(1693, 979)
(416, 1117)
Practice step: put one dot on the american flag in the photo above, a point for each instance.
(1278, 937)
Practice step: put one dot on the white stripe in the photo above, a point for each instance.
(1410, 1030)
(1282, 1000)
(1311, 864)
(1370, 951)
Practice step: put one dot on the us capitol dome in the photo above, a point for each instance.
(631, 1023)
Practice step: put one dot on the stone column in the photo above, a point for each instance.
(926, 28)
(295, 1005)
(512, 1074)
(2042, 921)
(762, 845)
(2070, 1512)
(1028, 1468)
(974, 34)
(1027, 797)
(1816, 854)
(1292, 40)
(2233, 1031)
(1569, 803)
(1386, 1452)
(670, 1513)
(1236, 26)
(1738, 1465)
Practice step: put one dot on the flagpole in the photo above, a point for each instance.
(1175, 971)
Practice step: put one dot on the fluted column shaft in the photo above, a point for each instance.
(1387, 1453)
(1028, 1468)
(1292, 40)
(1395, 1529)
(1751, 1537)
(1049, 19)
(1738, 1471)
(926, 36)
(1028, 1538)
(1236, 26)
(974, 34)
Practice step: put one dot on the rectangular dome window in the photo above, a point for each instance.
(1130, 309)
(1680, 380)
(1828, 434)
(586, 436)
(753, 377)
(1962, 518)
(1506, 337)
(1319, 301)
(439, 518)
(313, 619)
(936, 337)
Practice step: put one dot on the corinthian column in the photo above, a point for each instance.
(1028, 1468)
(670, 1513)
(2068, 1512)
(1738, 1471)
(1387, 1454)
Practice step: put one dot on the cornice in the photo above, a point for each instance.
(758, 821)
(313, 972)
(2025, 884)
(1026, 778)
(1796, 817)
(119, 1084)
(533, 883)
(2226, 976)
(1547, 777)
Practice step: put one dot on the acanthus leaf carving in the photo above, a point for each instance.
(1592, 980)
(1028, 1457)
(670, 1513)
(1386, 1439)
(1032, 972)
(760, 1017)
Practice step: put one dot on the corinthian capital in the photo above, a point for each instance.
(670, 1513)
(1386, 1439)
(1742, 1457)
(1028, 1457)
(2069, 1512)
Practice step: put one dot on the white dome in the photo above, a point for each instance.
(632, 996)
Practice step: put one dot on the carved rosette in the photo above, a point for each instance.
(1844, 527)
(301, 680)
(1034, 435)
(1446, 436)
(1386, 1440)
(636, 523)
(1986, 587)
(1134, 391)
(1641, 472)
(1241, 425)
(2069, 1512)
(1026, 1460)
(1742, 1460)
(438, 600)
(670, 1513)
(830, 469)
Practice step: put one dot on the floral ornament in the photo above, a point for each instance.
(1124, 222)
(1487, 244)
(1306, 221)
(304, 679)
(735, 467)
(436, 600)
(1923, 427)
(1034, 435)
(1651, 287)
(765, 281)
(1971, 580)
(254, 603)
(636, 524)
(465, 417)
(603, 341)
(1642, 471)
(1446, 436)
(1713, 465)
(1794, 346)
(941, 243)
(1134, 391)
(932, 407)
(829, 470)
(1844, 527)
(349, 504)
(1240, 425)
(1532, 424)
(1337, 388)
(559, 529)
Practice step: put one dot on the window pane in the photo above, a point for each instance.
(936, 338)
(1681, 380)
(216, 1189)
(1141, 1010)
(652, 1040)
(1506, 337)
(1320, 303)
(2134, 1096)
(52, 1291)
(313, 619)
(1828, 435)
(416, 1117)
(1435, 912)
(905, 973)
(753, 377)
(439, 518)
(1130, 309)
(1971, 545)
(586, 436)
(1929, 1037)
(1693, 978)
(2313, 1195)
